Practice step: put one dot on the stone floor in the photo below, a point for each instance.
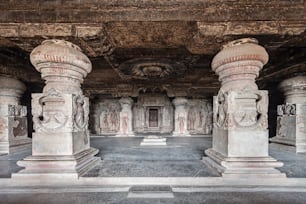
(124, 157)
(193, 198)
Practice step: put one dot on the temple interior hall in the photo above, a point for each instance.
(140, 101)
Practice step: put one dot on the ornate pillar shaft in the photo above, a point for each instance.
(60, 114)
(180, 117)
(240, 134)
(13, 116)
(291, 119)
(126, 117)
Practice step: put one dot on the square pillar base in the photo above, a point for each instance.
(243, 167)
(38, 168)
(13, 129)
(291, 128)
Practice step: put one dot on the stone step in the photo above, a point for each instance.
(150, 192)
(154, 141)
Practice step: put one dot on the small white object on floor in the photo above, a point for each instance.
(153, 140)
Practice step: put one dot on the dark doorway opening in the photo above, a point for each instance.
(153, 117)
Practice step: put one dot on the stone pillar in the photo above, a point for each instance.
(61, 146)
(291, 119)
(13, 117)
(240, 134)
(126, 117)
(180, 117)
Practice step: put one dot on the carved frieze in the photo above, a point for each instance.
(286, 109)
(241, 110)
(49, 114)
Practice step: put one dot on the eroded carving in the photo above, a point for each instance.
(199, 117)
(49, 114)
(286, 109)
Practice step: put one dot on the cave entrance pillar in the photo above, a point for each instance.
(61, 146)
(240, 132)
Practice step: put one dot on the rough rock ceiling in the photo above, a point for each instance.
(172, 41)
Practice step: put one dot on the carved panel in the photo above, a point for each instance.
(286, 109)
(107, 116)
(241, 109)
(49, 114)
(199, 117)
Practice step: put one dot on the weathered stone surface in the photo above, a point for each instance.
(60, 115)
(13, 117)
(180, 116)
(105, 117)
(126, 117)
(153, 113)
(240, 134)
(294, 90)
(291, 128)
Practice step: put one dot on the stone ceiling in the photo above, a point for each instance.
(167, 44)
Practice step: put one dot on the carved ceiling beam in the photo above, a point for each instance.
(143, 10)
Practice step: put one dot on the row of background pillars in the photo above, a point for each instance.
(61, 146)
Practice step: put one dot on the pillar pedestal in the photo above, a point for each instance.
(291, 119)
(180, 117)
(13, 117)
(61, 146)
(240, 134)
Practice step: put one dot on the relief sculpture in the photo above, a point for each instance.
(17, 120)
(107, 118)
(199, 118)
(49, 115)
(241, 109)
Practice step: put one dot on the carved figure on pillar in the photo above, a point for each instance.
(105, 115)
(240, 133)
(60, 114)
(126, 128)
(291, 116)
(199, 117)
(180, 115)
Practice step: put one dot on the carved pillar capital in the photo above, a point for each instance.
(62, 65)
(294, 90)
(11, 90)
(180, 101)
(239, 63)
(126, 102)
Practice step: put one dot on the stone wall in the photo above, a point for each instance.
(151, 114)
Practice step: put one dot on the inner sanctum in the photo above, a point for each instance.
(226, 80)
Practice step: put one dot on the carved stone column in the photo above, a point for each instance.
(60, 115)
(13, 117)
(180, 117)
(240, 134)
(126, 117)
(291, 119)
